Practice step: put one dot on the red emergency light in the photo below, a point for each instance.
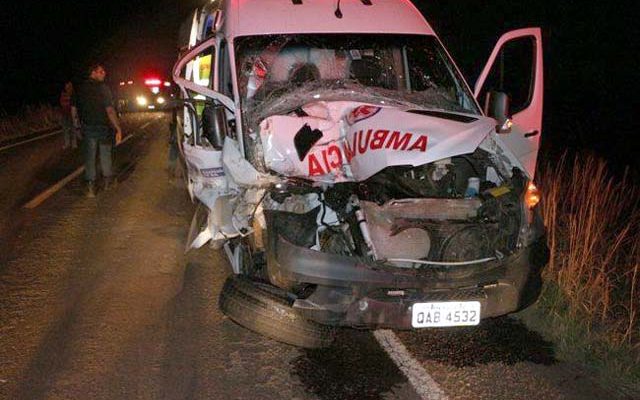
(152, 82)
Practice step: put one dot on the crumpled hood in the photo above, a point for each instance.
(343, 141)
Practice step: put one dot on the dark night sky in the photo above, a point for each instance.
(591, 58)
(45, 43)
(591, 54)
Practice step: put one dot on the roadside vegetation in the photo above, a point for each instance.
(591, 298)
(28, 120)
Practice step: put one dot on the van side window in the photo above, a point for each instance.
(512, 73)
(226, 83)
(200, 69)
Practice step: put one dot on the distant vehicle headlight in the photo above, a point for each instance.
(160, 100)
(141, 100)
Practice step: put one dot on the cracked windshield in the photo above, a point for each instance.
(401, 69)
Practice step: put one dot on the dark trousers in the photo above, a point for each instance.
(69, 133)
(97, 139)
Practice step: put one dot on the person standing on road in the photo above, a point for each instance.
(70, 138)
(94, 114)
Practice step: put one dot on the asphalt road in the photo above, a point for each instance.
(98, 301)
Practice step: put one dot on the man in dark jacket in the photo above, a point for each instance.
(94, 114)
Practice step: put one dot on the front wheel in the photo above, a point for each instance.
(266, 310)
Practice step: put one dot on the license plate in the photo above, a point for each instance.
(450, 313)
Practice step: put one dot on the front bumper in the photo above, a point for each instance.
(349, 293)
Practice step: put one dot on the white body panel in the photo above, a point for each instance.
(354, 150)
(264, 17)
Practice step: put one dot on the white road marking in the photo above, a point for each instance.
(422, 382)
(150, 122)
(10, 146)
(40, 198)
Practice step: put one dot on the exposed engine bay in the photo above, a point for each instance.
(409, 217)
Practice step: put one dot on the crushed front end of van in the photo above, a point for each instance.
(359, 184)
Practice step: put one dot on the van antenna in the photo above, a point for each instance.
(338, 13)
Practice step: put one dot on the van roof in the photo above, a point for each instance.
(263, 17)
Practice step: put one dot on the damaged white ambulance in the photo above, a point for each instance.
(350, 174)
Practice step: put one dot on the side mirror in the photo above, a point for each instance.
(214, 125)
(497, 107)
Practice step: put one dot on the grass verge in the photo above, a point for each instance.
(28, 120)
(591, 298)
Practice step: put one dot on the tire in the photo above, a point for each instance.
(266, 310)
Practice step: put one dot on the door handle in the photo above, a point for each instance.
(532, 134)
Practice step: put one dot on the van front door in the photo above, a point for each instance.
(515, 67)
(196, 73)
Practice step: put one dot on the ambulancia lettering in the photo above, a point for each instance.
(336, 155)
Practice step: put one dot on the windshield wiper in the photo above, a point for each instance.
(445, 115)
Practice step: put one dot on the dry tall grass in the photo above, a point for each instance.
(30, 119)
(593, 222)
